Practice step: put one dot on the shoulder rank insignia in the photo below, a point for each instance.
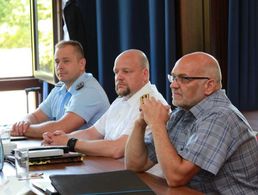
(79, 86)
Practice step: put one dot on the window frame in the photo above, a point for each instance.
(57, 36)
(21, 83)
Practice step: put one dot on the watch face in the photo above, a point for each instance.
(1, 155)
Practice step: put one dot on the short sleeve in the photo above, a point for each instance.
(150, 148)
(85, 104)
(209, 144)
(46, 105)
(100, 123)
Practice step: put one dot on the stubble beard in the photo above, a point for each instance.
(123, 93)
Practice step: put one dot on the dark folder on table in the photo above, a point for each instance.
(115, 182)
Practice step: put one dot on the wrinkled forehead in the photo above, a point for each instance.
(188, 67)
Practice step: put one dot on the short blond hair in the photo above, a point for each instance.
(75, 44)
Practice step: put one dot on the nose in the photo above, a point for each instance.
(119, 76)
(59, 65)
(174, 84)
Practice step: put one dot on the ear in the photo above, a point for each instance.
(210, 87)
(83, 63)
(146, 74)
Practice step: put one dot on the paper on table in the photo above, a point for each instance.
(21, 187)
(44, 185)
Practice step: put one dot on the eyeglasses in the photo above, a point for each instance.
(183, 79)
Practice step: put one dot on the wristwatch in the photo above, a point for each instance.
(71, 144)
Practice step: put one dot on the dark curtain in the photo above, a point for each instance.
(80, 17)
(112, 26)
(242, 54)
(74, 22)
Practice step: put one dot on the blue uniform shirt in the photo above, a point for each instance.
(85, 97)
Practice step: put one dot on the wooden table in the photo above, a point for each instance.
(96, 165)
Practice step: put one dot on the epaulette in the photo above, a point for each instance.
(59, 84)
(79, 86)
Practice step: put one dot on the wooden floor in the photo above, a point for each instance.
(252, 117)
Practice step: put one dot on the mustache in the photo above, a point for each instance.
(120, 83)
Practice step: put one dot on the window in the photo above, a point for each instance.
(15, 39)
(28, 31)
(46, 29)
(15, 55)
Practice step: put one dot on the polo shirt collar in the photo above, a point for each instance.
(76, 83)
(206, 103)
(136, 97)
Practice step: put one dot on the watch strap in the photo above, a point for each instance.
(71, 144)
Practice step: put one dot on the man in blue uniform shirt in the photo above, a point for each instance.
(76, 102)
(205, 143)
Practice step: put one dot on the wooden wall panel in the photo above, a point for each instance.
(202, 26)
(191, 26)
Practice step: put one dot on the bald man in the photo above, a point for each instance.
(205, 143)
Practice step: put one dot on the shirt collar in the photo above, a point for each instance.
(78, 81)
(136, 97)
(208, 102)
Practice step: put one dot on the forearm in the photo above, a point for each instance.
(136, 157)
(106, 148)
(32, 118)
(68, 123)
(90, 133)
(177, 171)
(36, 130)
